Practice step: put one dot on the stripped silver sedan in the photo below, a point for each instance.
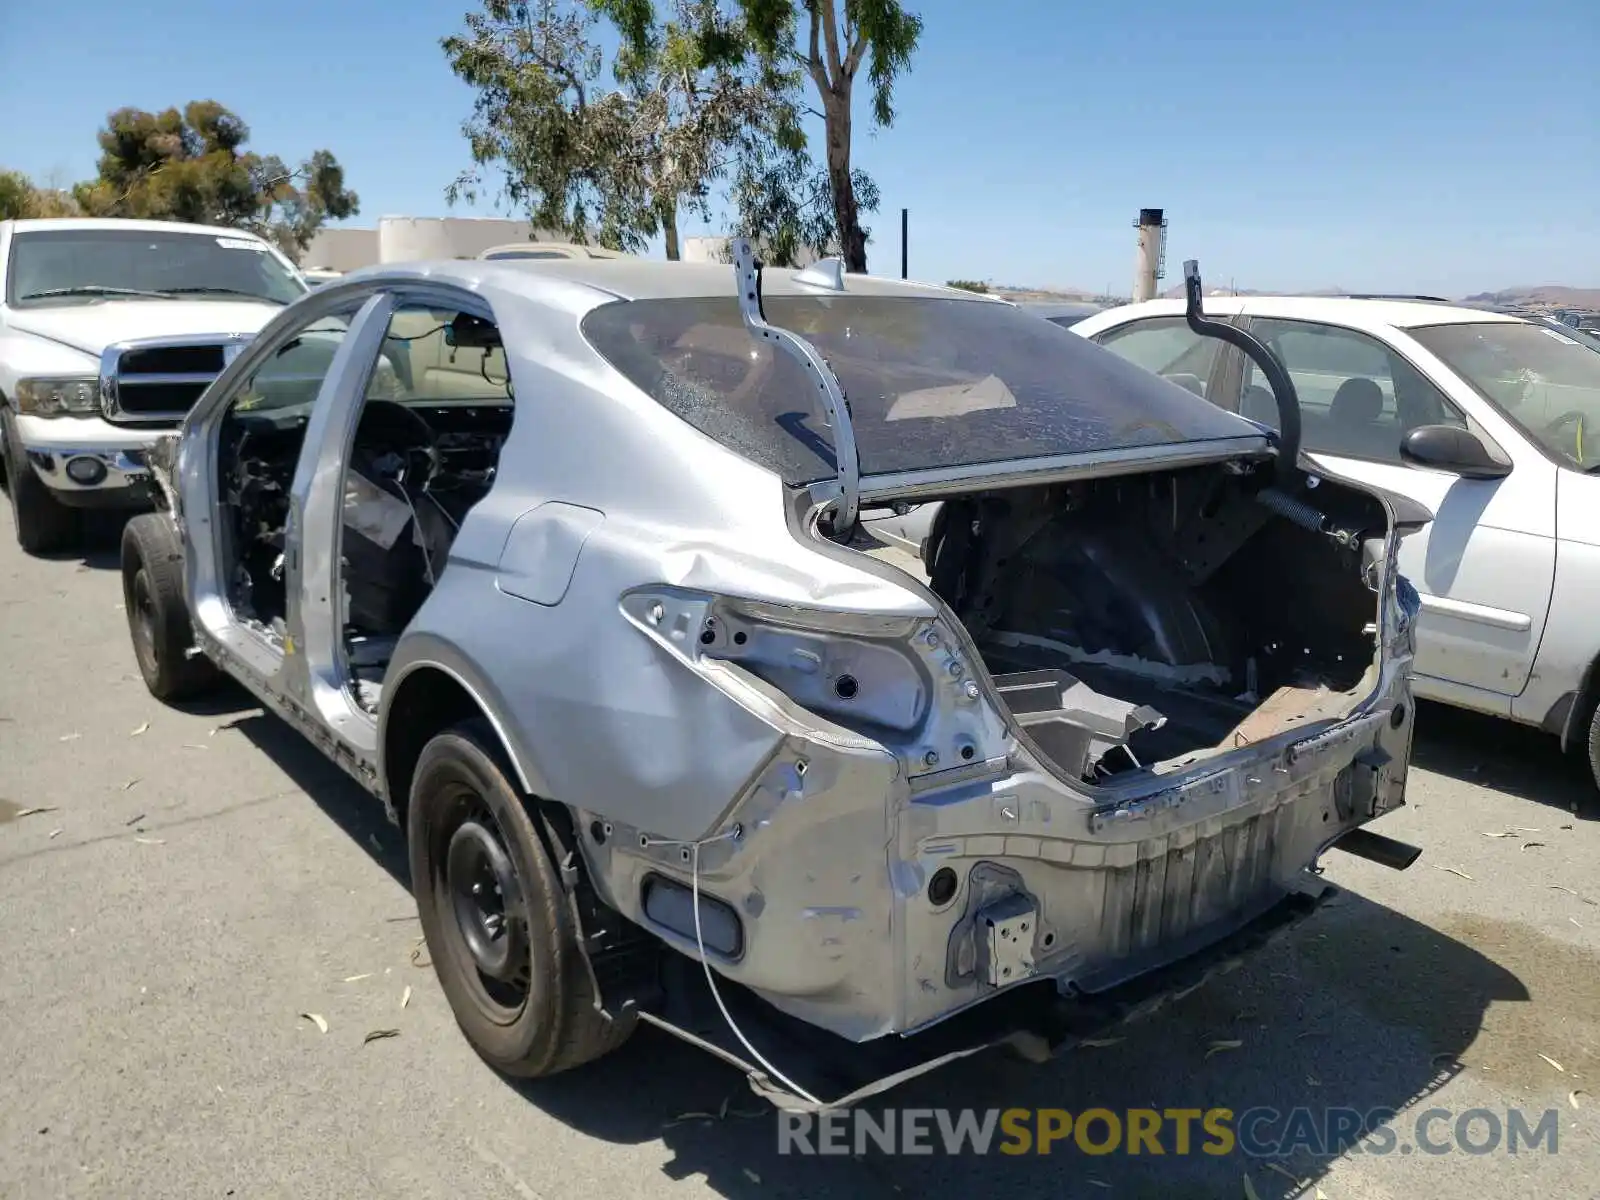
(572, 564)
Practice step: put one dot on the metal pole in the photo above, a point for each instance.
(905, 250)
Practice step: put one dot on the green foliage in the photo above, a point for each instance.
(829, 40)
(191, 166)
(969, 285)
(686, 101)
(16, 195)
(21, 199)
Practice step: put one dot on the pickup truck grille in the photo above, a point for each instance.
(157, 380)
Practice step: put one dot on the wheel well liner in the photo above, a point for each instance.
(1571, 712)
(428, 700)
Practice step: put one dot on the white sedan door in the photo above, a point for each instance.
(1485, 566)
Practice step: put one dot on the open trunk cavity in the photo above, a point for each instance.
(1143, 620)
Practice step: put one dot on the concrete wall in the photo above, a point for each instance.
(345, 248)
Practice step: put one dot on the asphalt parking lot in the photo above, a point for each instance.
(200, 879)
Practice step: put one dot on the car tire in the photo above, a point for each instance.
(43, 524)
(1594, 747)
(495, 916)
(158, 615)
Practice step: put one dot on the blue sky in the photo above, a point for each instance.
(1413, 145)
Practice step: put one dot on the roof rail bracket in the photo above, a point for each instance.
(1271, 366)
(835, 406)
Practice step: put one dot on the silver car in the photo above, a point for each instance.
(571, 565)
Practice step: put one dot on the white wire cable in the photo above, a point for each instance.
(705, 963)
(421, 538)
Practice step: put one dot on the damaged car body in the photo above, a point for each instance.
(570, 564)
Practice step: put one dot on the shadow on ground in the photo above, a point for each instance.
(1361, 1009)
(99, 543)
(1498, 754)
(343, 800)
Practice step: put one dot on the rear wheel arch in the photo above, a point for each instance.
(428, 699)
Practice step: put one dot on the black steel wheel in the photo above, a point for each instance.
(495, 916)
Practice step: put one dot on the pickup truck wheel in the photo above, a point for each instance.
(495, 915)
(42, 522)
(1594, 745)
(158, 615)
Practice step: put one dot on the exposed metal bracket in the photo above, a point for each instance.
(835, 407)
(1007, 930)
(1277, 376)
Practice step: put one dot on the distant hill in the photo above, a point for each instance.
(1548, 295)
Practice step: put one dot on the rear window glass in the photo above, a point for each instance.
(931, 382)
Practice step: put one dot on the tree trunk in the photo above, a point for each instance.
(846, 213)
(668, 209)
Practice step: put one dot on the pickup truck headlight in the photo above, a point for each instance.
(58, 396)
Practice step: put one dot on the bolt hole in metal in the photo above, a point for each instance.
(598, 831)
(1049, 940)
(942, 887)
(1397, 717)
(740, 638)
(845, 687)
(967, 752)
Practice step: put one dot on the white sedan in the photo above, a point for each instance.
(1491, 421)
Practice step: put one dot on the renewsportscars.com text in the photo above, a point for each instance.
(1255, 1132)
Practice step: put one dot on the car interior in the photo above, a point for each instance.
(1357, 400)
(426, 449)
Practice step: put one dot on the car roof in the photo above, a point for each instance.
(640, 279)
(32, 224)
(1356, 312)
(567, 249)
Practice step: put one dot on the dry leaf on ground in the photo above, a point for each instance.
(1556, 887)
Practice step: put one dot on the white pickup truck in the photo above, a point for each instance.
(109, 332)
